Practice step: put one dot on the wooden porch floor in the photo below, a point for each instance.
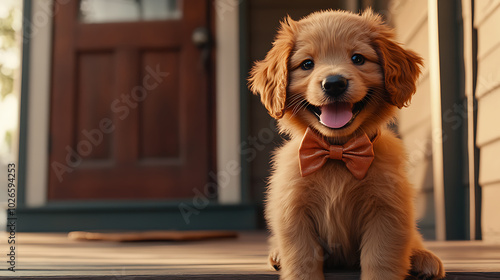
(54, 256)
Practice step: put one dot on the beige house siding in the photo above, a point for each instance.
(487, 20)
(409, 18)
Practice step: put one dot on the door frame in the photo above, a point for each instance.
(35, 105)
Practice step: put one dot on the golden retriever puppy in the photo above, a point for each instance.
(339, 195)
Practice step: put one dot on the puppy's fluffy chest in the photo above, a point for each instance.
(337, 203)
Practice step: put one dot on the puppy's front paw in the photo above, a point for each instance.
(274, 259)
(426, 265)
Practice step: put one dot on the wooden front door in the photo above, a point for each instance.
(130, 116)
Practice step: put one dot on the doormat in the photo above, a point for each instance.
(154, 235)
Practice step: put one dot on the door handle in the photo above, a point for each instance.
(201, 39)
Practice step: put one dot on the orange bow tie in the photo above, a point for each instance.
(357, 154)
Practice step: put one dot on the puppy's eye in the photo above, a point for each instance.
(358, 59)
(307, 64)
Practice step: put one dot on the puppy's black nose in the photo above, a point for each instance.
(334, 85)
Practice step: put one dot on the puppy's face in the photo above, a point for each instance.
(336, 83)
(336, 72)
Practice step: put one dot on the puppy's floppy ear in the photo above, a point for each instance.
(401, 67)
(269, 77)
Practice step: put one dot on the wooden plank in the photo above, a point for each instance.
(418, 142)
(483, 9)
(420, 174)
(345, 276)
(489, 162)
(419, 42)
(490, 210)
(487, 118)
(486, 42)
(408, 17)
(331, 276)
(488, 73)
(424, 209)
(158, 235)
(419, 110)
(180, 277)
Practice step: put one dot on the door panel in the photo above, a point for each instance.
(162, 105)
(95, 82)
(130, 112)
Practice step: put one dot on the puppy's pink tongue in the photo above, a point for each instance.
(336, 115)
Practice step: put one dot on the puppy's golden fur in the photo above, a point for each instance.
(329, 217)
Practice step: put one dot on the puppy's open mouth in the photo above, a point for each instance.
(338, 115)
